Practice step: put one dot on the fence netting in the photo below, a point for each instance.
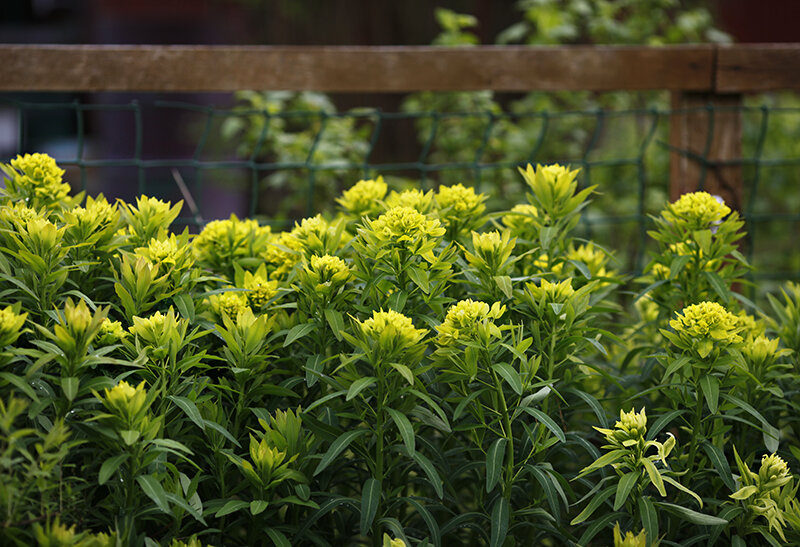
(280, 157)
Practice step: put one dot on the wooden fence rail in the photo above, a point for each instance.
(696, 76)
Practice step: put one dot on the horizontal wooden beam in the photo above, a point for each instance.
(756, 68)
(85, 68)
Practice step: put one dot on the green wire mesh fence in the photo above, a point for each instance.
(280, 164)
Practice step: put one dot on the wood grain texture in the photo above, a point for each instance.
(755, 68)
(694, 116)
(353, 69)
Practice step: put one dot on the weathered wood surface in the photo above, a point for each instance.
(353, 69)
(695, 159)
(755, 68)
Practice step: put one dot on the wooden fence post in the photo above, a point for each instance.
(706, 140)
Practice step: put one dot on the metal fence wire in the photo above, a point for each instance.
(281, 164)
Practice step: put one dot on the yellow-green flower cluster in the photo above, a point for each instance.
(492, 249)
(594, 259)
(315, 235)
(522, 221)
(363, 198)
(391, 331)
(11, 322)
(697, 210)
(222, 242)
(110, 332)
(229, 303)
(459, 208)
(763, 493)
(416, 199)
(326, 274)
(260, 290)
(148, 218)
(465, 320)
(98, 212)
(631, 426)
(159, 332)
(17, 215)
(557, 292)
(705, 326)
(629, 540)
(388, 541)
(56, 534)
(127, 406)
(554, 188)
(282, 254)
(168, 252)
(36, 179)
(192, 541)
(404, 224)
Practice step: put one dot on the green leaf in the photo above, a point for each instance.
(110, 467)
(153, 489)
(430, 472)
(406, 430)
(718, 285)
(703, 238)
(770, 434)
(720, 463)
(230, 507)
(359, 385)
(420, 278)
(278, 538)
(190, 409)
(548, 423)
(258, 506)
(501, 513)
(313, 368)
(405, 372)
(547, 482)
(494, 462)
(70, 386)
(596, 501)
(510, 375)
(129, 436)
(677, 265)
(709, 384)
(649, 518)
(297, 332)
(655, 476)
(430, 520)
(595, 405)
(504, 284)
(336, 322)
(336, 448)
(624, 487)
(692, 516)
(370, 499)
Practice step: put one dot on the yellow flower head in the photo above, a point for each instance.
(629, 540)
(222, 241)
(265, 457)
(774, 472)
(282, 254)
(554, 188)
(391, 330)
(260, 290)
(464, 319)
(460, 200)
(416, 199)
(10, 324)
(703, 326)
(697, 210)
(401, 224)
(557, 292)
(363, 197)
(18, 215)
(594, 259)
(38, 180)
(126, 402)
(229, 303)
(97, 212)
(629, 430)
(110, 332)
(659, 271)
(326, 274)
(522, 221)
